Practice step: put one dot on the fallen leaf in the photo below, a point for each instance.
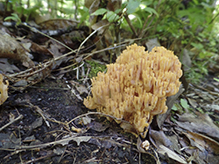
(160, 138)
(151, 43)
(207, 143)
(29, 139)
(171, 154)
(37, 123)
(99, 127)
(202, 124)
(81, 139)
(11, 48)
(186, 60)
(8, 141)
(101, 26)
(59, 150)
(7, 67)
(184, 103)
(54, 24)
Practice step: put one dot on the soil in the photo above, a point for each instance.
(39, 135)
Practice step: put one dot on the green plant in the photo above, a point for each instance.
(197, 72)
(193, 26)
(15, 18)
(84, 15)
(216, 79)
(95, 68)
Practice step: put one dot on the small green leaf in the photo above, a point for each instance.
(184, 103)
(200, 110)
(216, 79)
(174, 108)
(10, 18)
(101, 11)
(132, 5)
(111, 16)
(199, 46)
(15, 18)
(140, 21)
(84, 15)
(118, 11)
(196, 2)
(151, 11)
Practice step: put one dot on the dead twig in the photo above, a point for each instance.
(40, 112)
(11, 122)
(58, 142)
(141, 34)
(90, 36)
(37, 159)
(207, 90)
(97, 113)
(105, 49)
(40, 146)
(130, 24)
(35, 30)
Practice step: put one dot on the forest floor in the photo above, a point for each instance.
(41, 130)
(49, 124)
(44, 119)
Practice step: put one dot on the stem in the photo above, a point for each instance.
(130, 24)
(144, 29)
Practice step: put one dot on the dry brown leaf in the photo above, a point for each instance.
(205, 142)
(171, 154)
(81, 139)
(6, 140)
(160, 138)
(101, 26)
(81, 89)
(59, 150)
(29, 139)
(40, 49)
(186, 60)
(113, 5)
(202, 124)
(54, 24)
(151, 43)
(7, 67)
(37, 123)
(99, 127)
(10, 48)
(170, 101)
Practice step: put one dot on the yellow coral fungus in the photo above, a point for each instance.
(136, 86)
(3, 90)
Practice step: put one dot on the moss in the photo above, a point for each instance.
(95, 68)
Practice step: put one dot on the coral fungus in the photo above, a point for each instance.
(136, 86)
(3, 90)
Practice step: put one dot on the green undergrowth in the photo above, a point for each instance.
(178, 25)
(95, 67)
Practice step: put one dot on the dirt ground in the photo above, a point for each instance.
(38, 131)
(48, 123)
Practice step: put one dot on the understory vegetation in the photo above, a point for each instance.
(190, 25)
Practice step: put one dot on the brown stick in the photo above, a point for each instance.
(11, 122)
(130, 24)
